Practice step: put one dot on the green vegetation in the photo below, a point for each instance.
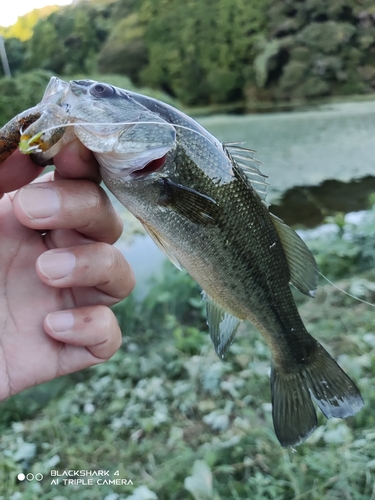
(21, 92)
(208, 53)
(347, 248)
(170, 416)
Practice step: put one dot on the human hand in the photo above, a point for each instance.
(59, 270)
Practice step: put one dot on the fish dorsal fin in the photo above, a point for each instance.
(303, 269)
(222, 326)
(163, 244)
(247, 167)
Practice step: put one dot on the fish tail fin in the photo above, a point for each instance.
(293, 392)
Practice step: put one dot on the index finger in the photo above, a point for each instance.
(17, 171)
(77, 204)
(75, 161)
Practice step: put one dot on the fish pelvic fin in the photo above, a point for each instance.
(163, 245)
(293, 393)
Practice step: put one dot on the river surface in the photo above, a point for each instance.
(306, 148)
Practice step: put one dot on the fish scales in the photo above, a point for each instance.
(245, 267)
(203, 204)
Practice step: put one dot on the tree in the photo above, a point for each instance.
(201, 51)
(69, 40)
(125, 51)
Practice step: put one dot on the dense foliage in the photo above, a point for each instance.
(216, 51)
(21, 92)
(173, 418)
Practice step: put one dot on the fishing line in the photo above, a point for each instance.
(112, 124)
(35, 149)
(346, 293)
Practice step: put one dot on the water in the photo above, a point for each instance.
(146, 260)
(308, 147)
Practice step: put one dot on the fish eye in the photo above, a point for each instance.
(101, 90)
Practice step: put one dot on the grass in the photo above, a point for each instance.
(179, 424)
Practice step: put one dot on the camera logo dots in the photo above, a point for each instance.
(29, 476)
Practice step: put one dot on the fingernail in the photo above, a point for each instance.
(56, 265)
(60, 321)
(38, 202)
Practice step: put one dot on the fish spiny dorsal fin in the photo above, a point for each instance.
(222, 326)
(247, 167)
(303, 269)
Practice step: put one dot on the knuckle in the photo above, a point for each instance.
(111, 331)
(118, 268)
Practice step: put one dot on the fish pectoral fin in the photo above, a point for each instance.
(189, 203)
(320, 380)
(302, 266)
(222, 326)
(163, 244)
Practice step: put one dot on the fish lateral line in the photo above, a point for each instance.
(346, 293)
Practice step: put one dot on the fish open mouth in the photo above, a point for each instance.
(150, 167)
(133, 165)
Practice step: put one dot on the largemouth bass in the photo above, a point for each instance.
(203, 203)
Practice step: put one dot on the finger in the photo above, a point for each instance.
(94, 328)
(69, 204)
(48, 176)
(96, 265)
(75, 161)
(63, 238)
(17, 171)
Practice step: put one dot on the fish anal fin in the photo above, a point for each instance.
(222, 326)
(302, 266)
(321, 381)
(163, 244)
(189, 203)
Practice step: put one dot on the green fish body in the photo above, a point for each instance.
(203, 203)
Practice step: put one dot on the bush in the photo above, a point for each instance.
(21, 92)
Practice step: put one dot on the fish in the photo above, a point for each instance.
(204, 204)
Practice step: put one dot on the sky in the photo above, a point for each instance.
(15, 8)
